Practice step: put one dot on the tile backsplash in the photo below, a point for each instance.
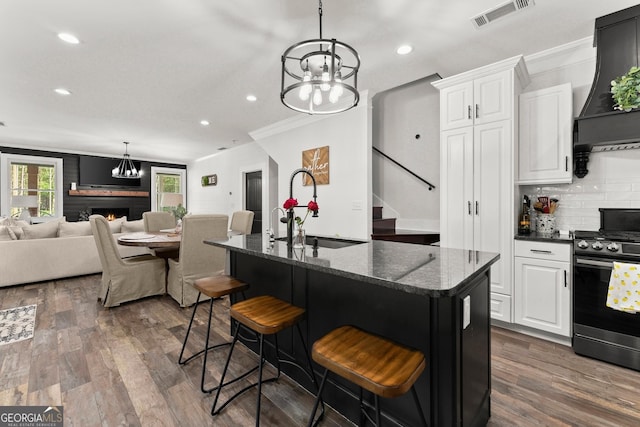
(613, 181)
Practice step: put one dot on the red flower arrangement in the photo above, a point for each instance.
(312, 206)
(290, 204)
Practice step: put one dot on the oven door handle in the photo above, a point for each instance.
(594, 263)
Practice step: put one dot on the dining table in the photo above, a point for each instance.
(164, 244)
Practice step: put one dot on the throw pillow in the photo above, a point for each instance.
(116, 224)
(80, 228)
(14, 227)
(45, 230)
(133, 226)
(5, 233)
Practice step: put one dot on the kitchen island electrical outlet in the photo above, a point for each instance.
(466, 311)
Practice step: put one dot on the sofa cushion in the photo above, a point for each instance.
(133, 226)
(80, 228)
(45, 230)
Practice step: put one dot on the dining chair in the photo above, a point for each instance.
(242, 222)
(156, 221)
(125, 279)
(196, 259)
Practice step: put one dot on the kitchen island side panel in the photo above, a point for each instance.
(454, 389)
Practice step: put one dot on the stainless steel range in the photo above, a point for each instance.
(599, 331)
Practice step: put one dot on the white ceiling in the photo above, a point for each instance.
(147, 71)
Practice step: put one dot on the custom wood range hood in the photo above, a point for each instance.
(599, 127)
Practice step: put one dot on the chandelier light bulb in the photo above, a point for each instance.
(333, 95)
(307, 88)
(317, 96)
(326, 78)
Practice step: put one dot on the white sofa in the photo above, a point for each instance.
(72, 252)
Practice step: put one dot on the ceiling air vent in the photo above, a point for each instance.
(500, 11)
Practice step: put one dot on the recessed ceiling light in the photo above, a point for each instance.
(69, 38)
(204, 122)
(62, 91)
(404, 49)
(251, 98)
(222, 148)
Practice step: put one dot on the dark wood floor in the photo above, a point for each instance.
(118, 367)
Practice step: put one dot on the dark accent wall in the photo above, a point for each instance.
(74, 204)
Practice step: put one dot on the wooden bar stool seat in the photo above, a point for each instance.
(214, 287)
(265, 315)
(374, 363)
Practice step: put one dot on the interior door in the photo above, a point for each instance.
(253, 199)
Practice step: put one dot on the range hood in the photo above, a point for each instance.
(599, 127)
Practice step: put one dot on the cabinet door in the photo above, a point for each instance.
(545, 143)
(492, 97)
(456, 194)
(456, 106)
(542, 295)
(493, 206)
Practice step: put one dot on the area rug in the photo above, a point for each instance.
(16, 324)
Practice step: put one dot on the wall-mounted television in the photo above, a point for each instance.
(96, 171)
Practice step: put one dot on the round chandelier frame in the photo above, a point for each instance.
(320, 76)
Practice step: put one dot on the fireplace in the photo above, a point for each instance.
(110, 213)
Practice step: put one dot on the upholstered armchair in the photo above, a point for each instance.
(196, 259)
(241, 222)
(125, 279)
(156, 221)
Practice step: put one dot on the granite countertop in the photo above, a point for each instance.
(554, 238)
(417, 269)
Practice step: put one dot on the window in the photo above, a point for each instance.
(30, 186)
(169, 188)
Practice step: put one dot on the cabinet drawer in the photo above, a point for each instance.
(500, 307)
(543, 250)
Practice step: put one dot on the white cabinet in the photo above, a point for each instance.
(482, 100)
(477, 155)
(474, 196)
(542, 293)
(545, 141)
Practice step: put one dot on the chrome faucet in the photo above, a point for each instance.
(283, 219)
(290, 214)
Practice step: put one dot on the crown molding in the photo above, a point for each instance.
(561, 56)
(516, 63)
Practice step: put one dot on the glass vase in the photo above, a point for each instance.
(299, 238)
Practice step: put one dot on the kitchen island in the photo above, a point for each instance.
(429, 298)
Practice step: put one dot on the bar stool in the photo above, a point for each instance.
(265, 315)
(215, 287)
(374, 363)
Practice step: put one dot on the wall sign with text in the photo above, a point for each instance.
(316, 161)
(208, 180)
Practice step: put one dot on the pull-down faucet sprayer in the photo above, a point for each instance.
(283, 219)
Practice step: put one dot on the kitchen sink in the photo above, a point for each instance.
(327, 242)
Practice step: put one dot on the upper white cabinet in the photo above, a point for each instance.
(482, 100)
(477, 156)
(545, 142)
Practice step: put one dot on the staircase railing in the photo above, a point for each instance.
(431, 186)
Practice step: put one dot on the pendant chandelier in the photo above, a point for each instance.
(126, 169)
(320, 76)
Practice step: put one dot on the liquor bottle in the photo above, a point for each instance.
(524, 219)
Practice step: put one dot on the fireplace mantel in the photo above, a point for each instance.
(109, 193)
